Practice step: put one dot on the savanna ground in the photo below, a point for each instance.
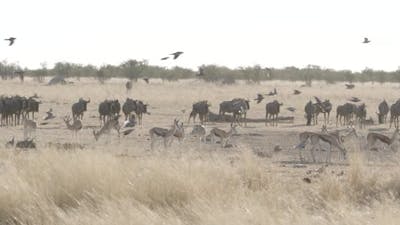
(123, 181)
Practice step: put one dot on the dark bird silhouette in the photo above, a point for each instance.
(354, 99)
(146, 80)
(176, 54)
(272, 93)
(296, 92)
(50, 115)
(307, 180)
(350, 86)
(291, 109)
(164, 58)
(11, 40)
(277, 148)
(366, 41)
(259, 98)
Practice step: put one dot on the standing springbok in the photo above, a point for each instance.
(29, 127)
(373, 137)
(165, 134)
(223, 135)
(75, 126)
(112, 123)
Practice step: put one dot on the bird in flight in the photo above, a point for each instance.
(354, 99)
(272, 93)
(11, 40)
(296, 92)
(291, 109)
(164, 58)
(176, 54)
(259, 98)
(366, 41)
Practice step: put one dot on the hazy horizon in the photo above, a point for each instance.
(232, 34)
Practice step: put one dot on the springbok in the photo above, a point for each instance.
(223, 135)
(107, 127)
(29, 127)
(75, 126)
(199, 131)
(373, 137)
(165, 134)
(315, 139)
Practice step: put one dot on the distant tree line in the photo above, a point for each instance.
(134, 69)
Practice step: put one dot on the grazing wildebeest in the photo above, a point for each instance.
(309, 110)
(109, 108)
(272, 112)
(394, 114)
(383, 111)
(79, 108)
(237, 106)
(200, 108)
(128, 107)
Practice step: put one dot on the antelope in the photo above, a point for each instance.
(199, 131)
(223, 135)
(107, 127)
(373, 137)
(29, 127)
(315, 139)
(75, 126)
(167, 135)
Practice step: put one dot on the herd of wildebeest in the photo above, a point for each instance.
(20, 110)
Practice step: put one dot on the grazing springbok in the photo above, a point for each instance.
(315, 139)
(75, 126)
(271, 112)
(165, 134)
(107, 127)
(199, 131)
(373, 137)
(383, 109)
(224, 136)
(29, 127)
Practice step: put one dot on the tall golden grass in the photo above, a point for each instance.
(97, 187)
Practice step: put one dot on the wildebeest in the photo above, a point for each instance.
(383, 109)
(237, 106)
(272, 111)
(79, 108)
(324, 107)
(361, 114)
(136, 106)
(394, 114)
(128, 85)
(109, 108)
(201, 108)
(346, 111)
(309, 110)
(31, 106)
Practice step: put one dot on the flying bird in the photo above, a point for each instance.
(272, 93)
(366, 41)
(50, 115)
(128, 131)
(164, 58)
(146, 80)
(296, 92)
(350, 86)
(354, 99)
(259, 98)
(11, 40)
(291, 108)
(176, 54)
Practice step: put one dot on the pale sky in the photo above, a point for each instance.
(229, 33)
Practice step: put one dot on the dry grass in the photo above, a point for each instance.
(188, 183)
